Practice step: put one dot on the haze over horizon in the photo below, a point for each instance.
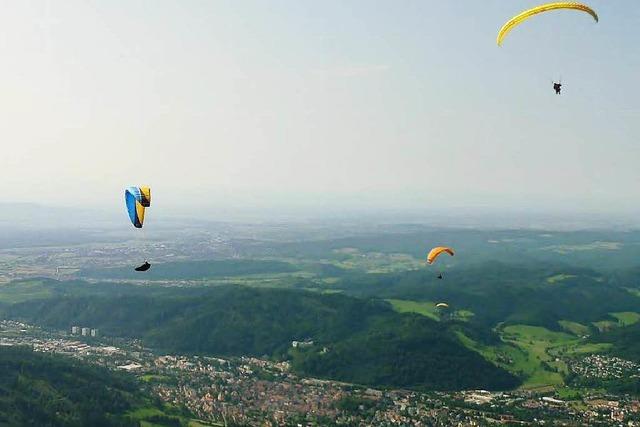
(336, 106)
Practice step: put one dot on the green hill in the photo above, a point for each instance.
(44, 390)
(366, 340)
(497, 292)
(625, 340)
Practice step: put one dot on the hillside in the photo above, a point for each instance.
(44, 390)
(626, 341)
(534, 294)
(366, 341)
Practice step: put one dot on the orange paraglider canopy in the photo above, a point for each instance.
(435, 253)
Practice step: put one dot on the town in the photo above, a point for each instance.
(254, 391)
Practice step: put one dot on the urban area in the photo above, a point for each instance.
(253, 391)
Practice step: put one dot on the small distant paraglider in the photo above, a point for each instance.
(557, 87)
(442, 310)
(137, 199)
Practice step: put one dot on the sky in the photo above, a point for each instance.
(319, 105)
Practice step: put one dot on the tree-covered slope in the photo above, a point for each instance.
(44, 390)
(626, 341)
(367, 341)
(534, 294)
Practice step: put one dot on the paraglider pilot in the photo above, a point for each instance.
(557, 87)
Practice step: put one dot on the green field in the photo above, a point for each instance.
(506, 356)
(154, 378)
(593, 246)
(199, 423)
(574, 328)
(425, 308)
(153, 417)
(463, 315)
(635, 292)
(626, 318)
(559, 278)
(605, 325)
(581, 349)
(534, 353)
(536, 341)
(17, 292)
(375, 262)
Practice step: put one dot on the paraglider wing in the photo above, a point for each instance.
(137, 199)
(435, 253)
(442, 305)
(516, 20)
(143, 267)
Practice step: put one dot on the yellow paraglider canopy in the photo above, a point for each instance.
(516, 20)
(435, 253)
(442, 305)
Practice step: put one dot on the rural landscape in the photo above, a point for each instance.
(291, 213)
(334, 326)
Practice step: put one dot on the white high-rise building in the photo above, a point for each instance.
(75, 330)
(94, 332)
(85, 332)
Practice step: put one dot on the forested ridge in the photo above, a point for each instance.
(43, 390)
(365, 340)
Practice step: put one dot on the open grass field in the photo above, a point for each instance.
(634, 291)
(154, 378)
(427, 308)
(376, 262)
(534, 353)
(199, 423)
(626, 318)
(539, 366)
(581, 349)
(605, 325)
(141, 415)
(17, 292)
(574, 328)
(463, 315)
(559, 278)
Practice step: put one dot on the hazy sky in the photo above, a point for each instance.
(319, 103)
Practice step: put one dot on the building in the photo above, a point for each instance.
(130, 367)
(85, 332)
(75, 330)
(617, 415)
(301, 344)
(478, 397)
(552, 401)
(94, 332)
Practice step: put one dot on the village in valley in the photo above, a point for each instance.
(255, 391)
